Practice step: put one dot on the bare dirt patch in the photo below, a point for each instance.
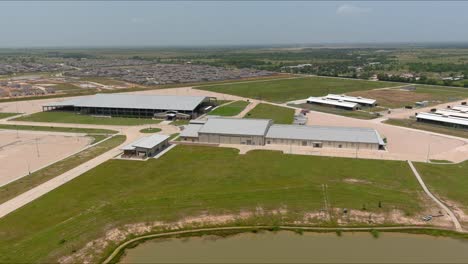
(356, 181)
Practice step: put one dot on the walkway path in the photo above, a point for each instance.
(452, 216)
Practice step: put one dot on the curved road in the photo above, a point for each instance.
(452, 216)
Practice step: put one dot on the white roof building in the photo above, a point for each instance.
(338, 103)
(134, 101)
(461, 108)
(453, 113)
(236, 126)
(443, 119)
(148, 142)
(325, 133)
(346, 98)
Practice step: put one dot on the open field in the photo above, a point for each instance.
(396, 98)
(102, 80)
(22, 152)
(293, 89)
(412, 123)
(23, 184)
(58, 129)
(231, 109)
(338, 111)
(212, 181)
(5, 115)
(449, 182)
(279, 114)
(70, 117)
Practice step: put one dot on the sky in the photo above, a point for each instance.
(198, 23)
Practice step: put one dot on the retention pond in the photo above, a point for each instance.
(289, 247)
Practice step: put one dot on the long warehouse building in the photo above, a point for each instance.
(218, 130)
(135, 105)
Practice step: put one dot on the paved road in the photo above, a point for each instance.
(452, 216)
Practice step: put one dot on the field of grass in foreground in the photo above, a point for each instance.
(208, 181)
(448, 181)
(279, 114)
(231, 109)
(294, 89)
(337, 111)
(19, 186)
(59, 129)
(412, 123)
(70, 117)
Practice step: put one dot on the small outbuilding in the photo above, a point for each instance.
(146, 146)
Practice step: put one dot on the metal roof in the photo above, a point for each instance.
(322, 100)
(191, 130)
(135, 101)
(452, 113)
(462, 108)
(236, 126)
(441, 118)
(346, 98)
(146, 142)
(325, 133)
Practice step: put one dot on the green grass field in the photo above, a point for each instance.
(337, 111)
(5, 115)
(279, 114)
(293, 89)
(209, 181)
(449, 181)
(70, 117)
(231, 109)
(26, 183)
(412, 123)
(59, 129)
(150, 130)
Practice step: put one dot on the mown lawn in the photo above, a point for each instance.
(19, 186)
(279, 114)
(337, 111)
(70, 117)
(231, 109)
(293, 89)
(448, 181)
(5, 115)
(193, 180)
(412, 123)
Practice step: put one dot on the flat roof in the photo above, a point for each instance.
(191, 130)
(441, 118)
(360, 100)
(147, 142)
(325, 133)
(236, 126)
(322, 100)
(135, 101)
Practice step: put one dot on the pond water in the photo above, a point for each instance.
(289, 247)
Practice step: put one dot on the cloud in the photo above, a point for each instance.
(347, 9)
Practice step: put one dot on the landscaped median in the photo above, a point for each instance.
(28, 182)
(203, 186)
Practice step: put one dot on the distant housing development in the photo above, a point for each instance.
(342, 101)
(159, 106)
(263, 132)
